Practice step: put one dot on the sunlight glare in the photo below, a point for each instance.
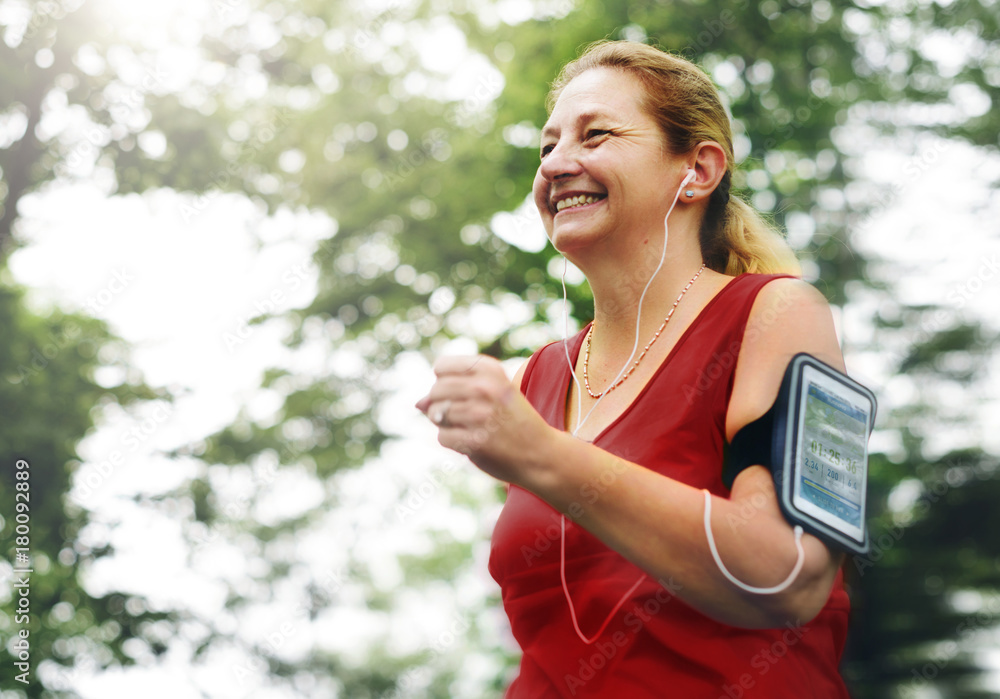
(158, 24)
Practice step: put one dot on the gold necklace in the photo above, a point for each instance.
(616, 384)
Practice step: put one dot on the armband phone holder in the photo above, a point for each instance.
(815, 441)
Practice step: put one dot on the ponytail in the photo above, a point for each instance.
(735, 238)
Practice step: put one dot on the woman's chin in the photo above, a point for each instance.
(568, 242)
(578, 249)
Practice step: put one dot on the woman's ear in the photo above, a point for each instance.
(708, 160)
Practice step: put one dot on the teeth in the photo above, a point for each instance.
(570, 202)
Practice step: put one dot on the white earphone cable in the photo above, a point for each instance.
(580, 421)
(780, 587)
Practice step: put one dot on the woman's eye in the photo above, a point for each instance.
(589, 137)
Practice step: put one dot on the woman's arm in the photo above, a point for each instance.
(655, 521)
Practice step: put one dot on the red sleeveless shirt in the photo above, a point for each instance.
(655, 645)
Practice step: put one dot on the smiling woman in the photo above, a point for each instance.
(601, 550)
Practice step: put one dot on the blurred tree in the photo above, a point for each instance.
(349, 109)
(59, 372)
(50, 397)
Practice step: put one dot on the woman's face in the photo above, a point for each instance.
(605, 177)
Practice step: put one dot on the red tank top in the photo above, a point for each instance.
(655, 645)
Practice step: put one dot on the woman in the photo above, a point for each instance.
(601, 551)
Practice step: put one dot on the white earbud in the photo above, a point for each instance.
(688, 177)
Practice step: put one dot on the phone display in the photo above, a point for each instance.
(832, 453)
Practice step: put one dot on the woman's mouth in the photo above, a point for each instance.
(579, 200)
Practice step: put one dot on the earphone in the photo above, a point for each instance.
(708, 501)
(666, 233)
(780, 587)
(690, 192)
(579, 396)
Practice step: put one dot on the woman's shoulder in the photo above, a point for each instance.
(788, 316)
(790, 308)
(776, 300)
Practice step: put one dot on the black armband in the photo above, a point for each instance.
(814, 439)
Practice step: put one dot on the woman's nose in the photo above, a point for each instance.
(560, 162)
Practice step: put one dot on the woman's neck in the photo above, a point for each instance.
(619, 288)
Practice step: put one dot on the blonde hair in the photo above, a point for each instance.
(735, 238)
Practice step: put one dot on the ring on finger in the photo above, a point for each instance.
(439, 413)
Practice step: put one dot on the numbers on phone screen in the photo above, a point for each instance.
(834, 458)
